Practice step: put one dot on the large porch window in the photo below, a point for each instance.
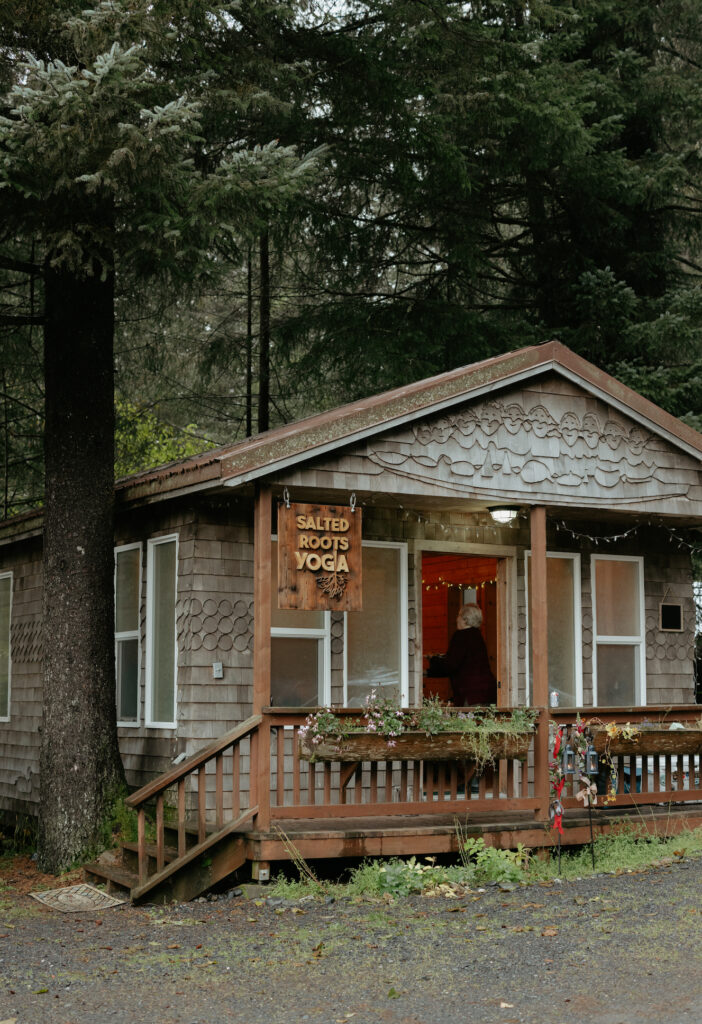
(376, 638)
(564, 628)
(618, 614)
(300, 651)
(5, 619)
(127, 641)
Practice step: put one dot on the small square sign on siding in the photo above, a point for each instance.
(319, 557)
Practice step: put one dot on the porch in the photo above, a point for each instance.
(397, 807)
(588, 488)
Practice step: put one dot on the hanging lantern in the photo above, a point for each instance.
(555, 810)
(592, 761)
(568, 760)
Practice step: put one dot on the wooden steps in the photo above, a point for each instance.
(116, 878)
(181, 878)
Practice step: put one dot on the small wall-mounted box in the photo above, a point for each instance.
(670, 616)
(217, 670)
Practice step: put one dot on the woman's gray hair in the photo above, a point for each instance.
(470, 616)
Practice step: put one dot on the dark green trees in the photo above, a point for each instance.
(104, 165)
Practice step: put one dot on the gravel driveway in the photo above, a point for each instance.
(605, 950)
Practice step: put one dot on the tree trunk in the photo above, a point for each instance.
(264, 338)
(249, 345)
(81, 770)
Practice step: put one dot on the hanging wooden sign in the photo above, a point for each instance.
(319, 557)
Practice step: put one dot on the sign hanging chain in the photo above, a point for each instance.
(352, 502)
(286, 497)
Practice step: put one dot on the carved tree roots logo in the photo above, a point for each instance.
(334, 585)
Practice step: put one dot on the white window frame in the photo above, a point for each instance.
(404, 621)
(130, 634)
(151, 544)
(323, 648)
(577, 622)
(622, 641)
(6, 718)
(324, 652)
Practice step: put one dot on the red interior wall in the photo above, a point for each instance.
(441, 603)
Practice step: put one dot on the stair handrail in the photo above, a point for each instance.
(193, 762)
(196, 763)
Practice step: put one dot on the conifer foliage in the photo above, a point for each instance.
(104, 164)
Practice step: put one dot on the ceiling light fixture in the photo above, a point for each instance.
(503, 514)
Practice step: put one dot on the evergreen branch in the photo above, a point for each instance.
(20, 320)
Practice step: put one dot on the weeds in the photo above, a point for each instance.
(20, 837)
(629, 849)
(632, 848)
(307, 880)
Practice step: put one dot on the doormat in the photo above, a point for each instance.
(75, 898)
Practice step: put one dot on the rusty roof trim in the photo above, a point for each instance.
(344, 424)
(23, 526)
(236, 464)
(267, 453)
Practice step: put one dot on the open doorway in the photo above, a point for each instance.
(448, 582)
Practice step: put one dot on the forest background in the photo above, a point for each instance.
(495, 175)
(215, 217)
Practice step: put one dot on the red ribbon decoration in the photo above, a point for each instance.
(558, 786)
(558, 818)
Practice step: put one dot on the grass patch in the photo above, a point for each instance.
(630, 848)
(627, 849)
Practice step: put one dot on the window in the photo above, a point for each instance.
(617, 604)
(300, 651)
(564, 628)
(161, 652)
(127, 641)
(5, 620)
(376, 638)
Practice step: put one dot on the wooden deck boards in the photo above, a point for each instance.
(429, 834)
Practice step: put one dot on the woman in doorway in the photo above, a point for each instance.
(472, 680)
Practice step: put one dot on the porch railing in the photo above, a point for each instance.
(644, 778)
(198, 823)
(300, 789)
(255, 773)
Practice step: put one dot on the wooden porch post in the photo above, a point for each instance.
(539, 654)
(262, 650)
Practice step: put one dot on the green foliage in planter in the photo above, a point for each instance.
(384, 717)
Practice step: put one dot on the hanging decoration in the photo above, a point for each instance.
(599, 538)
(470, 585)
(574, 757)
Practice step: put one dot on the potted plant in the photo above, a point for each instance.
(648, 738)
(431, 732)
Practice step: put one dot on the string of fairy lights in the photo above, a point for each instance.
(449, 584)
(598, 538)
(484, 528)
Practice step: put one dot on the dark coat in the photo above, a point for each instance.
(472, 680)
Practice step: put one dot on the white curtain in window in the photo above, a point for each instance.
(162, 625)
(374, 635)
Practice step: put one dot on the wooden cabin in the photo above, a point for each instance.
(585, 586)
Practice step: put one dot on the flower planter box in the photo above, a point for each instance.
(414, 746)
(651, 741)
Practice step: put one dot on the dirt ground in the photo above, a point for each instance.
(605, 950)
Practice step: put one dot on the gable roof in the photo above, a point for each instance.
(293, 443)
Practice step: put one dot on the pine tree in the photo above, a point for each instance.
(107, 166)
